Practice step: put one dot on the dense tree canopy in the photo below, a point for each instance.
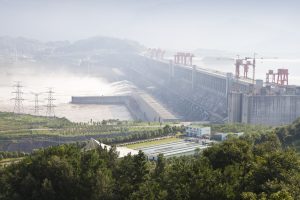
(236, 169)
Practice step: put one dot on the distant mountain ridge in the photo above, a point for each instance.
(103, 43)
(31, 47)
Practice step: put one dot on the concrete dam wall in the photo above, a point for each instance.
(140, 105)
(193, 93)
(264, 109)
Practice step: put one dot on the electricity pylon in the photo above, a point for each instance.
(18, 108)
(36, 103)
(50, 104)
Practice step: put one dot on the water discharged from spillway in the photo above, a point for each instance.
(64, 85)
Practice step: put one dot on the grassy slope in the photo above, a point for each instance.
(28, 129)
(10, 121)
(12, 126)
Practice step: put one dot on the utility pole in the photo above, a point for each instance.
(50, 104)
(18, 108)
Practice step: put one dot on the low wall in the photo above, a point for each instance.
(99, 100)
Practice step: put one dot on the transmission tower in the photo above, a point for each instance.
(50, 104)
(36, 103)
(18, 108)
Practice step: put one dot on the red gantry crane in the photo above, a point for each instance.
(279, 78)
(283, 76)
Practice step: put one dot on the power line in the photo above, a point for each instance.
(18, 107)
(50, 104)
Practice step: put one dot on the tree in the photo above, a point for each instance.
(281, 195)
(227, 153)
(246, 168)
(160, 166)
(140, 168)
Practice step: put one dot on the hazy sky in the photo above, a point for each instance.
(244, 25)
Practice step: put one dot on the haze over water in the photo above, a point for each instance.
(65, 85)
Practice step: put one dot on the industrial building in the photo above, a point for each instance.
(171, 149)
(197, 130)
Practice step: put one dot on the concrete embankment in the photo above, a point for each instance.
(141, 106)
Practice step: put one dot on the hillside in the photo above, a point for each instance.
(24, 47)
(27, 132)
(98, 44)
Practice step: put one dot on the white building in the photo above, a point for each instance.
(196, 130)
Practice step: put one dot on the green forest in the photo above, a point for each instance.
(263, 164)
(239, 168)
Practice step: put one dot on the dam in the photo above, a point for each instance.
(192, 93)
(141, 106)
(198, 94)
